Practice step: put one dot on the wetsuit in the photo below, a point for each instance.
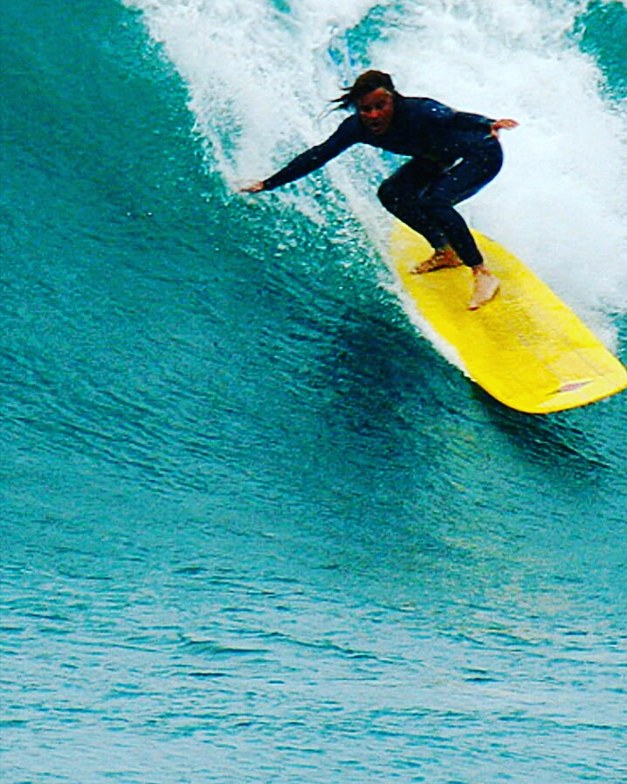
(453, 155)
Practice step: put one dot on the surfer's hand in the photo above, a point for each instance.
(507, 124)
(255, 187)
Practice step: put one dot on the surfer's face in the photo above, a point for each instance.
(376, 110)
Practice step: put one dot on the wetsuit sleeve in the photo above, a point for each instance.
(439, 113)
(467, 121)
(315, 157)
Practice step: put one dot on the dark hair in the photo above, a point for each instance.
(364, 84)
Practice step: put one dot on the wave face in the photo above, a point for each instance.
(255, 528)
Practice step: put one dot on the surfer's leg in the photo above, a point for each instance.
(398, 194)
(459, 183)
(485, 284)
(454, 186)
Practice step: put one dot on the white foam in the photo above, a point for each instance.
(260, 73)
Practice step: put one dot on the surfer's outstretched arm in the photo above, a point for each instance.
(312, 159)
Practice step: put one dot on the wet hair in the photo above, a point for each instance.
(364, 84)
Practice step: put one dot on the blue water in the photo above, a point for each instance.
(255, 528)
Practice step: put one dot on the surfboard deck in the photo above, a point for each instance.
(525, 348)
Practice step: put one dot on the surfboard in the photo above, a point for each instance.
(526, 348)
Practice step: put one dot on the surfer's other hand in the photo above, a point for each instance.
(505, 123)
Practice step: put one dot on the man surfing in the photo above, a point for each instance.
(452, 156)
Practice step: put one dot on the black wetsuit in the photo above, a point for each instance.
(453, 155)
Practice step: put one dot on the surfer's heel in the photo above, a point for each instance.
(486, 285)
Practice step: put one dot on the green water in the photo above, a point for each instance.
(254, 527)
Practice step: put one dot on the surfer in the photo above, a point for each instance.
(452, 156)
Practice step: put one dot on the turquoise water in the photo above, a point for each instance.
(255, 528)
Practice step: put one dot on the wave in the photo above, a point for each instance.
(260, 75)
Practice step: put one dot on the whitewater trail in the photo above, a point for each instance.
(260, 75)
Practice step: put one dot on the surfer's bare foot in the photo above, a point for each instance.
(444, 257)
(485, 287)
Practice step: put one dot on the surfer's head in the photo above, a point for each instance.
(372, 94)
(364, 84)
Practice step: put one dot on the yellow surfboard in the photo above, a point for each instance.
(526, 348)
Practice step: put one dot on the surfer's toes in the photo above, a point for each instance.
(440, 260)
(486, 287)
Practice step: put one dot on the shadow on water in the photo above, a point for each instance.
(381, 375)
(557, 441)
(387, 380)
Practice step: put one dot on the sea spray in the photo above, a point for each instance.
(260, 75)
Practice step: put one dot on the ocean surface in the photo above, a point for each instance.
(254, 526)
